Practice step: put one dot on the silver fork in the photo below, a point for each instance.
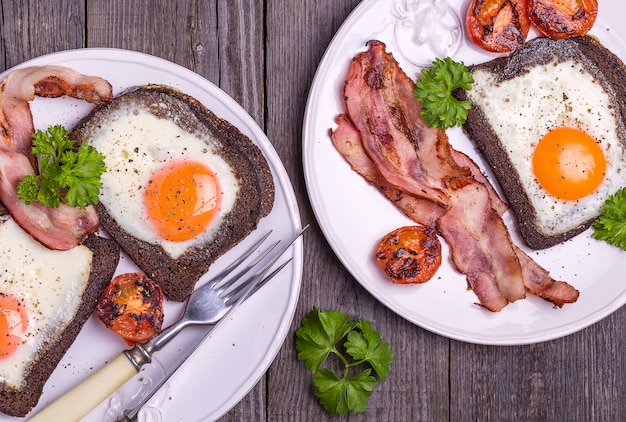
(206, 305)
(210, 302)
(131, 414)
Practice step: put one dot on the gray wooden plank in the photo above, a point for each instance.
(240, 36)
(576, 378)
(417, 387)
(30, 29)
(183, 32)
(241, 54)
(220, 40)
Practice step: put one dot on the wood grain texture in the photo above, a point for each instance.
(417, 388)
(576, 378)
(32, 28)
(265, 54)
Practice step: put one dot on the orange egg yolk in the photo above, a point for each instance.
(181, 200)
(568, 163)
(13, 323)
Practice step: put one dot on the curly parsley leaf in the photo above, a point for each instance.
(28, 188)
(341, 395)
(322, 334)
(610, 226)
(365, 345)
(319, 335)
(434, 91)
(65, 174)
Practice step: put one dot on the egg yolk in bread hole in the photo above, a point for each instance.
(13, 323)
(568, 163)
(182, 199)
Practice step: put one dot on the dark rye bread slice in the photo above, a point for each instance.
(19, 401)
(178, 277)
(605, 66)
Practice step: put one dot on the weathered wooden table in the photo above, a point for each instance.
(264, 54)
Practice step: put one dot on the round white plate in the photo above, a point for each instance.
(354, 216)
(241, 349)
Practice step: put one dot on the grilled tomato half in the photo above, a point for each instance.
(132, 306)
(410, 254)
(498, 25)
(558, 19)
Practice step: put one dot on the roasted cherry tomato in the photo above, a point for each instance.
(563, 18)
(498, 25)
(132, 306)
(410, 254)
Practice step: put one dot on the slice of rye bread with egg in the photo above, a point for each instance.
(18, 401)
(255, 199)
(606, 68)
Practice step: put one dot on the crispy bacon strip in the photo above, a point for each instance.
(536, 279)
(387, 142)
(538, 282)
(463, 160)
(380, 101)
(380, 127)
(21, 86)
(467, 257)
(347, 140)
(481, 248)
(57, 228)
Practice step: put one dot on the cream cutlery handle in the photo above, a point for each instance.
(83, 398)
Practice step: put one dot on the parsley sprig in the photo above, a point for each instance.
(434, 91)
(65, 174)
(320, 336)
(610, 226)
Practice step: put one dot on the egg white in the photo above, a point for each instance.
(49, 283)
(523, 109)
(136, 144)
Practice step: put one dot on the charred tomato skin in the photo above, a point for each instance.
(561, 19)
(499, 26)
(410, 254)
(131, 305)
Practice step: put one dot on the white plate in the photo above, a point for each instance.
(354, 216)
(242, 348)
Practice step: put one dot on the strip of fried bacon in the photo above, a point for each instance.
(383, 125)
(347, 140)
(456, 197)
(57, 228)
(536, 279)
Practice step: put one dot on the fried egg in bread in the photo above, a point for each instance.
(46, 296)
(40, 293)
(560, 132)
(172, 194)
(182, 186)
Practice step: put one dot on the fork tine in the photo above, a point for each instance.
(268, 277)
(235, 293)
(221, 286)
(241, 290)
(220, 276)
(253, 283)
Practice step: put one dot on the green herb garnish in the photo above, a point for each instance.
(321, 335)
(434, 91)
(610, 226)
(65, 175)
